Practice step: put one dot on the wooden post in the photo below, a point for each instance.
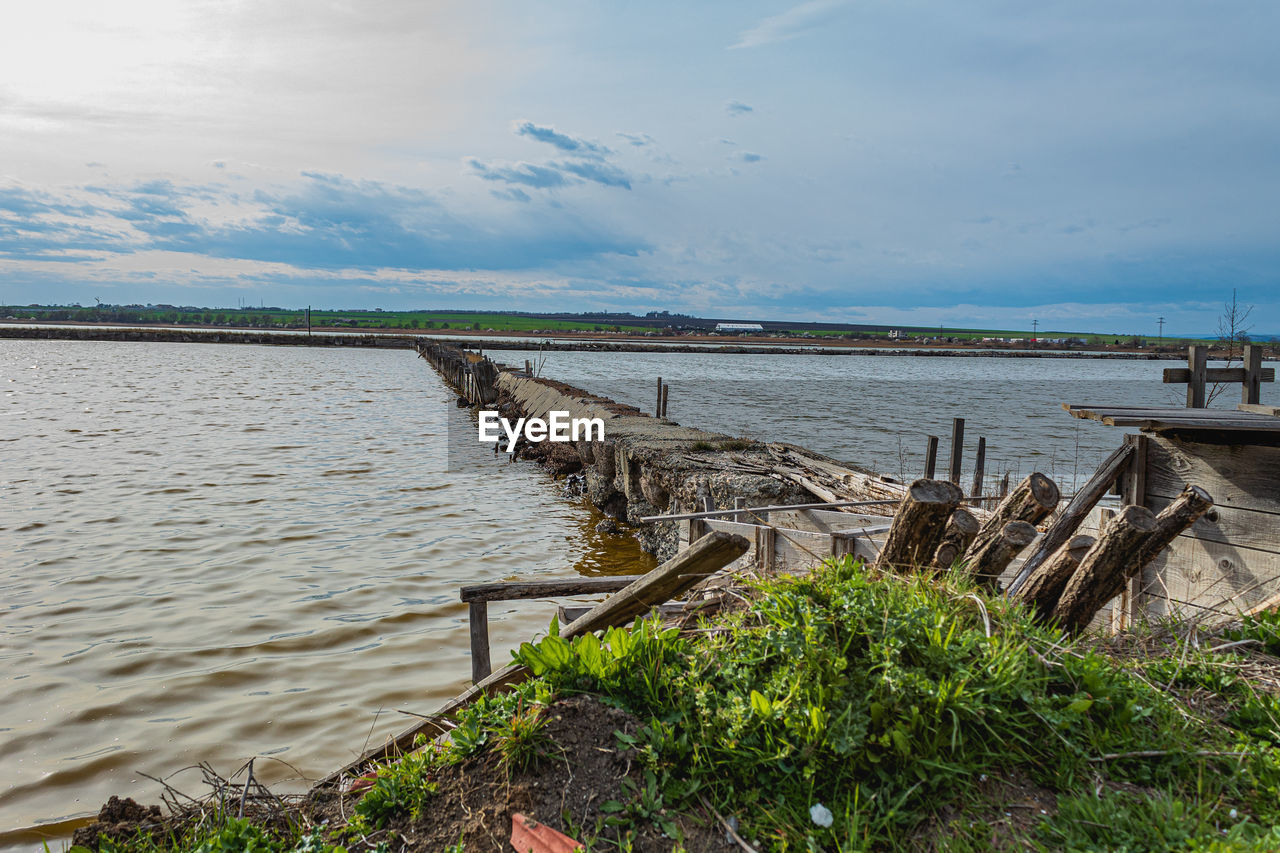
(1084, 501)
(919, 523)
(1004, 485)
(528, 367)
(1251, 390)
(1043, 588)
(481, 666)
(1104, 569)
(957, 448)
(666, 390)
(657, 409)
(979, 465)
(1134, 483)
(931, 458)
(986, 562)
(1032, 501)
(1197, 364)
(739, 503)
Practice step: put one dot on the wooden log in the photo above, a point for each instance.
(962, 527)
(1075, 512)
(1172, 520)
(1104, 569)
(666, 390)
(986, 563)
(478, 623)
(1044, 586)
(1031, 501)
(919, 524)
(512, 590)
(704, 557)
(1250, 388)
(1197, 364)
(657, 407)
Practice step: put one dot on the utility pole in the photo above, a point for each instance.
(1161, 339)
(1035, 324)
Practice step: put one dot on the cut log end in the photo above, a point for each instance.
(935, 492)
(1044, 491)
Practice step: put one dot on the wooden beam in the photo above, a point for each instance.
(1251, 389)
(978, 467)
(1197, 363)
(478, 623)
(1062, 529)
(513, 590)
(1180, 375)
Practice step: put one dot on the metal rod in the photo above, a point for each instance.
(752, 509)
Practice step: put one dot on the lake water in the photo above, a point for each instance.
(213, 552)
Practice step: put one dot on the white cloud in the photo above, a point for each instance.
(791, 23)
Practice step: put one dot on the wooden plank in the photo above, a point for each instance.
(513, 590)
(478, 623)
(1236, 475)
(1193, 577)
(704, 557)
(825, 521)
(1256, 409)
(1226, 525)
(569, 612)
(1134, 482)
(1167, 424)
(1179, 375)
(978, 467)
(1069, 520)
(1156, 412)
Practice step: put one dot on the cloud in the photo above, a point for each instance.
(791, 23)
(637, 139)
(749, 157)
(573, 145)
(604, 174)
(528, 174)
(737, 108)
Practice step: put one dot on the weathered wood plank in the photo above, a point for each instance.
(1193, 577)
(478, 624)
(1227, 525)
(823, 521)
(569, 612)
(514, 590)
(1179, 375)
(1236, 475)
(1258, 409)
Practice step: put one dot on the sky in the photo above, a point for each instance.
(1087, 165)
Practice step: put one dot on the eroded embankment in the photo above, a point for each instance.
(648, 466)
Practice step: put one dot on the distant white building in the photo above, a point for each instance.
(738, 328)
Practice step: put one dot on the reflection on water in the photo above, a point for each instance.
(215, 552)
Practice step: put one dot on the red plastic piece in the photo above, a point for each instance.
(529, 836)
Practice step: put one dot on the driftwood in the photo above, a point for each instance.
(1172, 520)
(961, 529)
(1105, 568)
(987, 562)
(1068, 521)
(1030, 502)
(704, 557)
(919, 524)
(1043, 588)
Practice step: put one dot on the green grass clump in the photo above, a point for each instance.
(886, 701)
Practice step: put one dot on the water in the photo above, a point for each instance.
(214, 552)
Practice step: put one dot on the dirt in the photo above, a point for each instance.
(1012, 806)
(120, 820)
(583, 768)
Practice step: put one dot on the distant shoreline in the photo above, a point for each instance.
(564, 342)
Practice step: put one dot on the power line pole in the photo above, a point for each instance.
(1161, 340)
(1035, 324)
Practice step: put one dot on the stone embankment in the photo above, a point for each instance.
(201, 336)
(648, 466)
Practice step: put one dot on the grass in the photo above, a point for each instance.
(847, 711)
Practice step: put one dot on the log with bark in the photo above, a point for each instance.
(1104, 569)
(986, 563)
(919, 524)
(1030, 502)
(1043, 588)
(961, 529)
(1172, 520)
